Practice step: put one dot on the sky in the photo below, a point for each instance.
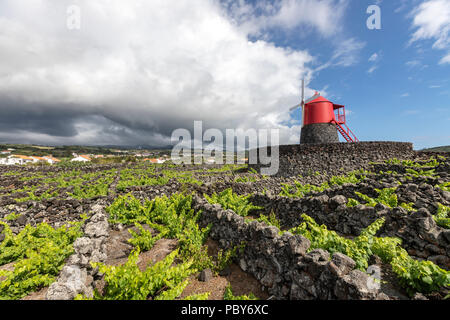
(114, 72)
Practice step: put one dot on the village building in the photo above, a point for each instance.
(51, 159)
(156, 161)
(82, 158)
(38, 159)
(22, 160)
(16, 160)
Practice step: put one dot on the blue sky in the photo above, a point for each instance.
(401, 94)
(131, 72)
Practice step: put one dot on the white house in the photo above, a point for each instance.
(159, 161)
(38, 159)
(51, 159)
(81, 159)
(16, 160)
(20, 160)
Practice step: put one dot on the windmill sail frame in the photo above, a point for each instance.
(302, 104)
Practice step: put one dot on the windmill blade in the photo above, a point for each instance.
(313, 98)
(296, 107)
(303, 92)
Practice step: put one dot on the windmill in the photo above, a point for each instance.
(319, 124)
(302, 104)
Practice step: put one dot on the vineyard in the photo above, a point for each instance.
(141, 231)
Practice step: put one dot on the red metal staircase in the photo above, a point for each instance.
(348, 135)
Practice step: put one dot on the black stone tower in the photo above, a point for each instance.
(319, 133)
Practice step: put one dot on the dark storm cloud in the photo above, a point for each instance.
(60, 120)
(22, 122)
(56, 120)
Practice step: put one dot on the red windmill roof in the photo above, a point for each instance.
(319, 99)
(322, 99)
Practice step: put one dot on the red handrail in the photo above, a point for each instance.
(348, 135)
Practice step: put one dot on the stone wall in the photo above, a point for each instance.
(335, 158)
(421, 236)
(77, 276)
(282, 264)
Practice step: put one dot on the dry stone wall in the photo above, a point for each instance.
(418, 230)
(78, 276)
(281, 262)
(335, 158)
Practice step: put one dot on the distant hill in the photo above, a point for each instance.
(67, 151)
(138, 147)
(438, 149)
(56, 151)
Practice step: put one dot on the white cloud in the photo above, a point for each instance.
(445, 59)
(323, 16)
(374, 60)
(345, 55)
(374, 57)
(372, 69)
(431, 19)
(413, 63)
(401, 7)
(150, 66)
(405, 95)
(416, 64)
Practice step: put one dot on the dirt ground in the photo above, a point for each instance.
(241, 282)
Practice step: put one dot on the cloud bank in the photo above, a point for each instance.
(137, 70)
(431, 21)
